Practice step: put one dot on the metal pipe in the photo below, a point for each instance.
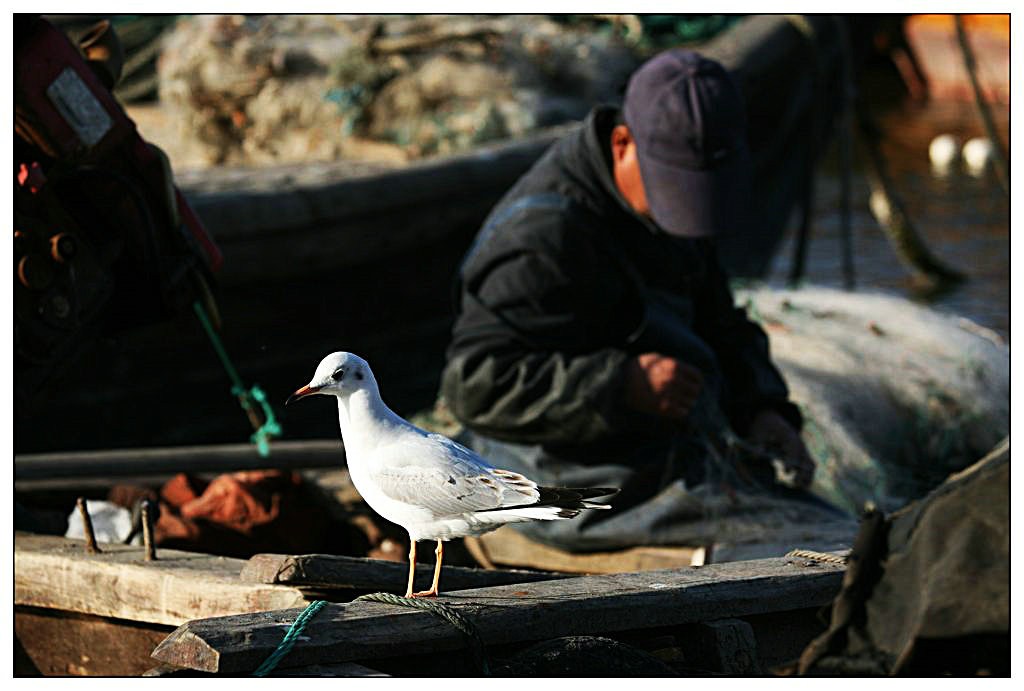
(216, 458)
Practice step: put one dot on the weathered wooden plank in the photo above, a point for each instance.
(509, 613)
(59, 643)
(57, 573)
(331, 571)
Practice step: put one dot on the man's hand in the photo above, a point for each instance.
(771, 433)
(662, 386)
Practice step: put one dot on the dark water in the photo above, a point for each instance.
(964, 220)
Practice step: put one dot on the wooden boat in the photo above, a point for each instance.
(115, 614)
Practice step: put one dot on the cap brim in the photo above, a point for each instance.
(693, 203)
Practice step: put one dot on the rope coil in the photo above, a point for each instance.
(446, 612)
(819, 556)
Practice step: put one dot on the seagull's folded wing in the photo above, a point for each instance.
(437, 474)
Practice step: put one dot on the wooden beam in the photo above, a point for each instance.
(59, 643)
(327, 571)
(506, 614)
(58, 573)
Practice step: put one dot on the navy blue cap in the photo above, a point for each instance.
(688, 120)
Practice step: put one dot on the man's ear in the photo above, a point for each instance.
(621, 139)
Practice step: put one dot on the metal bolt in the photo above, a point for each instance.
(90, 537)
(147, 530)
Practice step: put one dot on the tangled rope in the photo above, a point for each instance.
(446, 612)
(839, 559)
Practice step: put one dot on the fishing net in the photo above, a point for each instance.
(895, 396)
(273, 89)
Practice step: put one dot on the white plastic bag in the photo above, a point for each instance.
(110, 522)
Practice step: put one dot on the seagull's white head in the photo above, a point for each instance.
(338, 374)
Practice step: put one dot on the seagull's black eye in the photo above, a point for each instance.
(339, 374)
(359, 375)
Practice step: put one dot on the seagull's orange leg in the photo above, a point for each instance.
(439, 552)
(412, 566)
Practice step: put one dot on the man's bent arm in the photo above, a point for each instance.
(533, 397)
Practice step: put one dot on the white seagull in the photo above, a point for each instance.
(430, 485)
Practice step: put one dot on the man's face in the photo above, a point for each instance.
(626, 170)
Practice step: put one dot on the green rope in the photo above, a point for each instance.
(289, 638)
(270, 427)
(447, 612)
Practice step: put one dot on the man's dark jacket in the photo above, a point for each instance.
(561, 287)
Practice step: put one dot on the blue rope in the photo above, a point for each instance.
(289, 638)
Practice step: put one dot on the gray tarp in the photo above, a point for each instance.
(928, 591)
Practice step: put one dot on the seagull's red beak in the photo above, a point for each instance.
(304, 391)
